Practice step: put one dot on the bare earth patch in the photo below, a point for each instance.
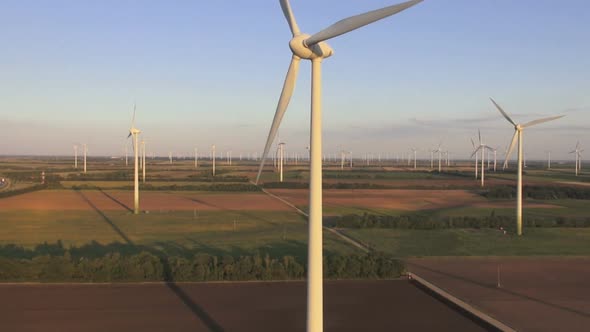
(536, 294)
(64, 200)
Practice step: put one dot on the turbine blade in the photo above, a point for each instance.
(512, 144)
(472, 143)
(502, 111)
(133, 118)
(290, 17)
(129, 135)
(536, 122)
(284, 99)
(479, 134)
(476, 150)
(355, 22)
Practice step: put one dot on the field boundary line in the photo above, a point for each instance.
(331, 230)
(461, 304)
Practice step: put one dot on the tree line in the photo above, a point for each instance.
(150, 266)
(426, 222)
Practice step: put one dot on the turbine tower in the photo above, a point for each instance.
(476, 157)
(85, 152)
(315, 49)
(134, 134)
(482, 147)
(518, 131)
(213, 158)
(196, 158)
(578, 154)
(143, 160)
(76, 156)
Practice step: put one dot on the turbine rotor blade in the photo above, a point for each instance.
(479, 134)
(536, 122)
(472, 143)
(512, 144)
(290, 17)
(133, 118)
(503, 113)
(357, 21)
(476, 150)
(284, 99)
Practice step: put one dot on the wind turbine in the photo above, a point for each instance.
(85, 152)
(476, 157)
(143, 160)
(548, 159)
(482, 147)
(518, 129)
(76, 156)
(213, 158)
(439, 151)
(314, 48)
(196, 158)
(578, 153)
(414, 151)
(134, 134)
(281, 159)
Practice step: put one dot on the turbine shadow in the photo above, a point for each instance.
(116, 200)
(197, 310)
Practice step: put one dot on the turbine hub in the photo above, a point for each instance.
(320, 50)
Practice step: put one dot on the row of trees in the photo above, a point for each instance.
(418, 221)
(539, 192)
(146, 266)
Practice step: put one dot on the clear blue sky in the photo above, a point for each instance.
(210, 72)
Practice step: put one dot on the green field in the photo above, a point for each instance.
(475, 242)
(177, 232)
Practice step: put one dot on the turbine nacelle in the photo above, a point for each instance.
(300, 49)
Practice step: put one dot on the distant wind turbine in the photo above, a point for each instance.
(578, 154)
(76, 156)
(518, 131)
(134, 134)
(85, 152)
(314, 48)
(482, 147)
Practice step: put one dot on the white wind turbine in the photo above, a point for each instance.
(476, 157)
(518, 129)
(85, 152)
(213, 158)
(134, 134)
(314, 48)
(439, 151)
(196, 158)
(578, 153)
(143, 160)
(76, 156)
(482, 147)
(414, 150)
(281, 159)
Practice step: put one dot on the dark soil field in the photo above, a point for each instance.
(276, 306)
(535, 294)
